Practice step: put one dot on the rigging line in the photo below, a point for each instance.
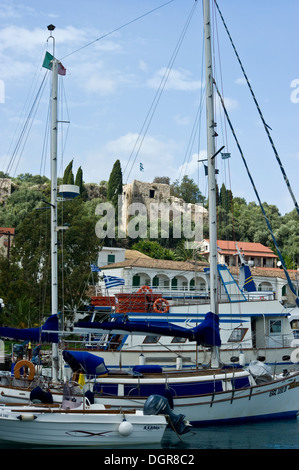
(194, 131)
(117, 29)
(258, 198)
(261, 115)
(158, 94)
(27, 122)
(197, 122)
(30, 123)
(31, 90)
(45, 144)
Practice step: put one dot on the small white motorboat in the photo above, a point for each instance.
(73, 424)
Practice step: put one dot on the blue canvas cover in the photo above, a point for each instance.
(45, 334)
(85, 362)
(205, 334)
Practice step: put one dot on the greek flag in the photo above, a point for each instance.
(112, 281)
(95, 268)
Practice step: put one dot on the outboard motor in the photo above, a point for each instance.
(158, 405)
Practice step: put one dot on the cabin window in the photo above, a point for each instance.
(151, 339)
(274, 327)
(178, 339)
(237, 335)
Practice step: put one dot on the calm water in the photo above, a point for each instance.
(282, 434)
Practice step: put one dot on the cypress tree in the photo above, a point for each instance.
(68, 176)
(79, 179)
(115, 184)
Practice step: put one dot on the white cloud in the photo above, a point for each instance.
(176, 80)
(182, 120)
(190, 168)
(230, 104)
(241, 81)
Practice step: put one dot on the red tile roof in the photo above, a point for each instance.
(5, 231)
(247, 248)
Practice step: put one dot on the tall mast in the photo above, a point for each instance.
(211, 168)
(54, 268)
(211, 161)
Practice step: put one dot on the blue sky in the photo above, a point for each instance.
(111, 84)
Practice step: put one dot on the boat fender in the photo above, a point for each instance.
(242, 359)
(161, 306)
(234, 359)
(295, 356)
(125, 428)
(27, 417)
(26, 364)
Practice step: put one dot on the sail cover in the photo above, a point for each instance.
(246, 280)
(85, 362)
(205, 334)
(48, 333)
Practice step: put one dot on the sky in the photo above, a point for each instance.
(116, 103)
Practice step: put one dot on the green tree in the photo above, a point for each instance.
(153, 249)
(115, 184)
(19, 204)
(162, 179)
(287, 237)
(183, 253)
(79, 179)
(187, 190)
(68, 176)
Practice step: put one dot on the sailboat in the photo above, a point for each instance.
(74, 421)
(214, 394)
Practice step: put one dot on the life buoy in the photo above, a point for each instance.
(26, 364)
(262, 298)
(144, 289)
(161, 306)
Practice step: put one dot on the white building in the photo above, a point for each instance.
(178, 277)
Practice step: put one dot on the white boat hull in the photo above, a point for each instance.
(276, 400)
(76, 428)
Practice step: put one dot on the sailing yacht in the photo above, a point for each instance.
(216, 393)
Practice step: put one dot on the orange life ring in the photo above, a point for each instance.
(161, 306)
(144, 289)
(24, 363)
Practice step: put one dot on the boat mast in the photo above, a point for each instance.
(54, 269)
(211, 169)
